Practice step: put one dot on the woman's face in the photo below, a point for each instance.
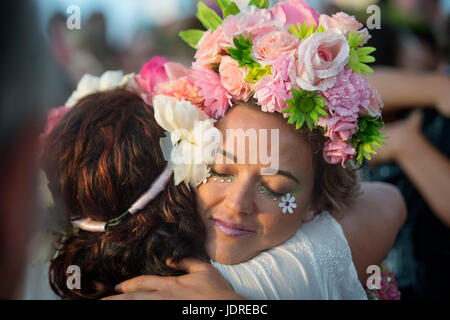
(243, 208)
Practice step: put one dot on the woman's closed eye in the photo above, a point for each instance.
(262, 186)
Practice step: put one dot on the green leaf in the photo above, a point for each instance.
(231, 9)
(303, 31)
(255, 73)
(243, 52)
(191, 37)
(262, 4)
(208, 17)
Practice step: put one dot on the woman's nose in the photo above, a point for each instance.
(240, 196)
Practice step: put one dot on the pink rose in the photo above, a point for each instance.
(152, 73)
(217, 98)
(255, 21)
(273, 90)
(345, 23)
(349, 95)
(338, 151)
(233, 78)
(321, 57)
(293, 12)
(268, 47)
(339, 128)
(53, 116)
(210, 47)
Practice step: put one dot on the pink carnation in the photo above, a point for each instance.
(376, 104)
(339, 128)
(151, 74)
(233, 78)
(53, 116)
(273, 90)
(217, 98)
(210, 48)
(349, 94)
(268, 47)
(182, 89)
(293, 12)
(338, 151)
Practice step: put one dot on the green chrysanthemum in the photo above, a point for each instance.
(367, 138)
(305, 106)
(359, 56)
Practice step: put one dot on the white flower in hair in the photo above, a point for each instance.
(192, 141)
(89, 84)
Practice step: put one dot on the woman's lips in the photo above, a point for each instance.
(231, 229)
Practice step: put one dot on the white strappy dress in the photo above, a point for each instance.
(314, 264)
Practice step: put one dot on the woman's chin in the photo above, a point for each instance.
(229, 254)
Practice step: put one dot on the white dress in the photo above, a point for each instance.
(314, 264)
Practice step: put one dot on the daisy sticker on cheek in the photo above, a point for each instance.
(287, 204)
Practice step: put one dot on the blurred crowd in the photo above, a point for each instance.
(43, 65)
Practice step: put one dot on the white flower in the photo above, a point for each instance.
(192, 141)
(89, 84)
(45, 195)
(287, 203)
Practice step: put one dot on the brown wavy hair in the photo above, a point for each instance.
(102, 155)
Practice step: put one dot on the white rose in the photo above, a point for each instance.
(321, 57)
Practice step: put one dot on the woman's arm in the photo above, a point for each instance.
(202, 282)
(405, 89)
(372, 224)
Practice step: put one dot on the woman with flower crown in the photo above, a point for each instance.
(309, 230)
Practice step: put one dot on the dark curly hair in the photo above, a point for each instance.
(101, 156)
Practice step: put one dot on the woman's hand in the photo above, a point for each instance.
(399, 134)
(203, 282)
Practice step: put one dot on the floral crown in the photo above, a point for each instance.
(289, 59)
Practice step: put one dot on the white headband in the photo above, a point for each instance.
(156, 187)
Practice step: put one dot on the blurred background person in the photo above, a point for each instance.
(24, 94)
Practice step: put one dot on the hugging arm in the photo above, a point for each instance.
(372, 223)
(202, 282)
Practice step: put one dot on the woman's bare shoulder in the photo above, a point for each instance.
(372, 223)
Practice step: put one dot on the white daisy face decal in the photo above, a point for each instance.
(287, 203)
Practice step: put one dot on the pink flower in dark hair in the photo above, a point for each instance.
(152, 73)
(338, 151)
(350, 93)
(217, 98)
(53, 116)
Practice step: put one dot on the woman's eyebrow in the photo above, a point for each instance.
(228, 155)
(288, 175)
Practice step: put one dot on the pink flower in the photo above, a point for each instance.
(338, 151)
(293, 12)
(321, 57)
(273, 90)
(233, 78)
(254, 21)
(210, 47)
(375, 104)
(182, 89)
(217, 98)
(152, 73)
(344, 23)
(268, 47)
(53, 116)
(339, 128)
(350, 93)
